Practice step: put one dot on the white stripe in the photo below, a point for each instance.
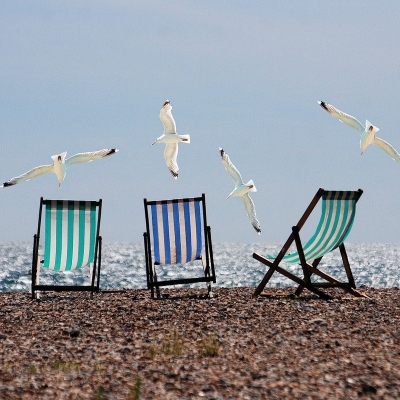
(86, 236)
(323, 243)
(325, 246)
(182, 230)
(160, 233)
(64, 235)
(334, 239)
(76, 235)
(193, 229)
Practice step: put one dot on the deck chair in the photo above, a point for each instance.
(337, 217)
(72, 240)
(179, 231)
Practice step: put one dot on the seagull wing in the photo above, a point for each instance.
(388, 148)
(89, 156)
(170, 155)
(167, 119)
(343, 117)
(232, 170)
(33, 173)
(251, 212)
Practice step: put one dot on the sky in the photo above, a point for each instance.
(81, 76)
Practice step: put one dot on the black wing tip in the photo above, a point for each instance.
(323, 105)
(174, 174)
(221, 151)
(112, 151)
(166, 102)
(6, 184)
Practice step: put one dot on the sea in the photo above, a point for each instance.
(123, 266)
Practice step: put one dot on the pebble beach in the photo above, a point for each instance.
(125, 345)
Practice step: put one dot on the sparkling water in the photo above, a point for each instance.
(123, 266)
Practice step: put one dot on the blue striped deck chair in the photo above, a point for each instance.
(337, 217)
(71, 241)
(176, 234)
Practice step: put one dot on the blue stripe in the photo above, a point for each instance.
(155, 233)
(177, 230)
(166, 234)
(188, 232)
(198, 227)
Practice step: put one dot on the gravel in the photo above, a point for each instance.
(124, 345)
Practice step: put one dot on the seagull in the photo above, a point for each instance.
(170, 138)
(59, 166)
(242, 190)
(367, 133)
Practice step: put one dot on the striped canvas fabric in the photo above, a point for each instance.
(177, 231)
(70, 234)
(338, 212)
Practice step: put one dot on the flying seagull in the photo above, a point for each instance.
(367, 133)
(242, 190)
(170, 138)
(60, 165)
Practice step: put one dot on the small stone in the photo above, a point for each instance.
(367, 388)
(74, 333)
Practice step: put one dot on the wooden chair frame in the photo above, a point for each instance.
(307, 267)
(92, 287)
(207, 259)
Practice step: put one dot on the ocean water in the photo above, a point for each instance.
(123, 266)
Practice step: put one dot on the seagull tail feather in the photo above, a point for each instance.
(185, 138)
(253, 186)
(368, 125)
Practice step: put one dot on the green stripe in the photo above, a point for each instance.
(316, 248)
(347, 229)
(81, 247)
(324, 239)
(55, 244)
(47, 232)
(92, 232)
(59, 215)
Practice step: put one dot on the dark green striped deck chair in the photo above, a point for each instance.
(177, 234)
(337, 217)
(71, 241)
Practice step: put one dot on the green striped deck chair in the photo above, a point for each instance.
(337, 217)
(176, 234)
(71, 241)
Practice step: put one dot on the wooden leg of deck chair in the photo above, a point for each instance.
(301, 288)
(206, 270)
(347, 265)
(302, 282)
(333, 282)
(267, 276)
(287, 274)
(303, 262)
